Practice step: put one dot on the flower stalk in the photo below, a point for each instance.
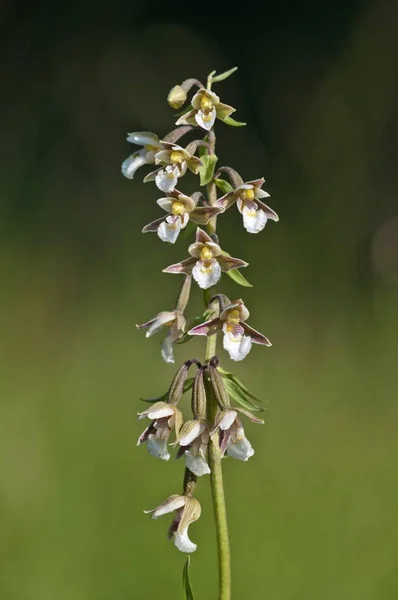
(215, 429)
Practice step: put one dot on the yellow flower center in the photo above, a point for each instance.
(176, 157)
(247, 194)
(206, 254)
(177, 208)
(233, 318)
(206, 103)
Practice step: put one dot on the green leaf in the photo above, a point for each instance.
(233, 123)
(186, 581)
(240, 394)
(237, 276)
(202, 150)
(224, 185)
(206, 171)
(223, 76)
(187, 386)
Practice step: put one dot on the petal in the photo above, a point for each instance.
(207, 274)
(227, 419)
(158, 447)
(227, 201)
(169, 230)
(170, 505)
(238, 347)
(256, 183)
(157, 411)
(196, 464)
(256, 336)
(166, 179)
(187, 119)
(167, 350)
(202, 214)
(133, 162)
(162, 157)
(254, 220)
(229, 262)
(206, 121)
(166, 203)
(143, 138)
(224, 110)
(185, 266)
(157, 322)
(238, 304)
(190, 431)
(241, 450)
(183, 543)
(271, 214)
(207, 328)
(194, 164)
(202, 237)
(153, 226)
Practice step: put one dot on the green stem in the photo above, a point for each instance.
(216, 477)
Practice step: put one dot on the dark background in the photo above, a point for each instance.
(313, 514)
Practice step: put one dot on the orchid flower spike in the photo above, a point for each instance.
(248, 197)
(238, 336)
(175, 322)
(232, 439)
(187, 510)
(164, 418)
(146, 156)
(206, 107)
(181, 210)
(207, 261)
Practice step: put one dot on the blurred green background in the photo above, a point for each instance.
(313, 515)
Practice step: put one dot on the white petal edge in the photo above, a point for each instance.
(254, 221)
(159, 322)
(166, 351)
(183, 543)
(157, 447)
(196, 464)
(237, 347)
(205, 124)
(241, 450)
(159, 413)
(166, 179)
(133, 162)
(143, 138)
(168, 231)
(205, 277)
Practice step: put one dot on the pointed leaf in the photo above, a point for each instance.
(233, 123)
(224, 186)
(186, 581)
(206, 171)
(224, 75)
(238, 278)
(164, 398)
(240, 396)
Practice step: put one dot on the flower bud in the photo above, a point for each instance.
(177, 97)
(199, 396)
(217, 384)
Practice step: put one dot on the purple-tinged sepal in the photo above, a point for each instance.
(165, 418)
(175, 322)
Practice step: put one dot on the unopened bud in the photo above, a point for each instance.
(199, 396)
(177, 385)
(177, 97)
(220, 393)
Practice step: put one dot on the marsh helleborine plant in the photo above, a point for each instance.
(215, 430)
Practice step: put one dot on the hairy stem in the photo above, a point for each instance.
(216, 477)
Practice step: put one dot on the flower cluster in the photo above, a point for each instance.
(214, 420)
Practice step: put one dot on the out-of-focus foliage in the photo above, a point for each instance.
(313, 514)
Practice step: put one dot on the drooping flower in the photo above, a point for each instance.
(146, 156)
(193, 440)
(174, 160)
(238, 336)
(181, 209)
(206, 107)
(206, 262)
(165, 418)
(187, 510)
(232, 437)
(248, 197)
(175, 322)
